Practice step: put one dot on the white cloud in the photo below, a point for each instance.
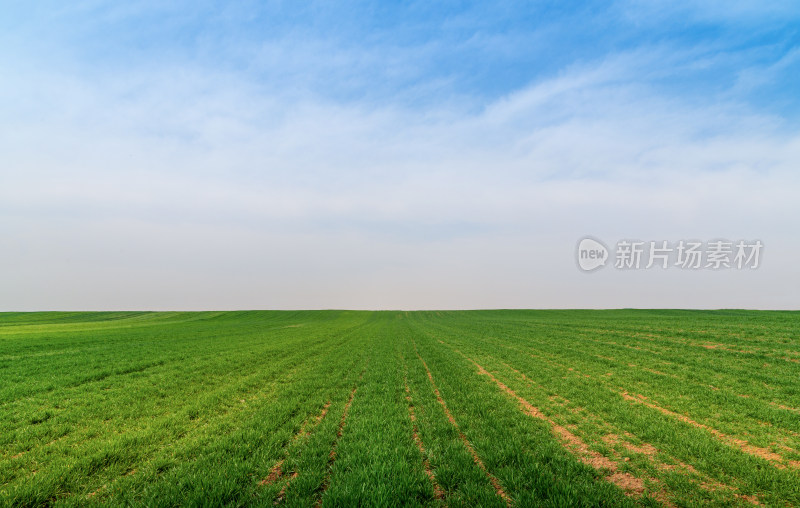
(197, 189)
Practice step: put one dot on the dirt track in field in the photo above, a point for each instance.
(493, 479)
(763, 453)
(277, 473)
(775, 459)
(437, 490)
(629, 483)
(332, 456)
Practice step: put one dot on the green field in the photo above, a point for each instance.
(339, 408)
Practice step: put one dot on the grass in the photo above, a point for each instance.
(337, 408)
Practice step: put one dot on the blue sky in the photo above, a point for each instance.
(421, 53)
(391, 154)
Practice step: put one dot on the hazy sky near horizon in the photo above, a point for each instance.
(244, 154)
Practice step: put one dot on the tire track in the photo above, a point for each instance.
(629, 483)
(773, 458)
(276, 472)
(626, 481)
(438, 493)
(326, 481)
(650, 452)
(492, 479)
